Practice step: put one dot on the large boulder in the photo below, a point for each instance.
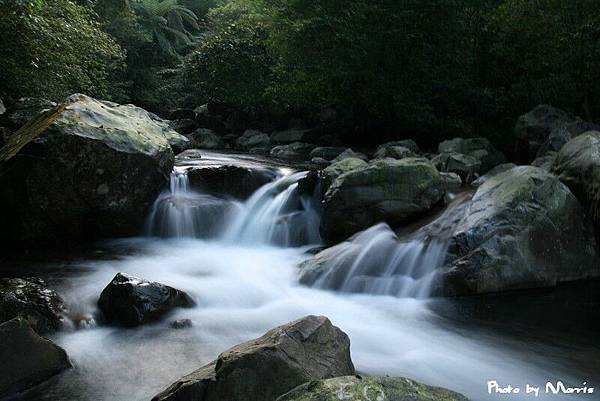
(25, 109)
(465, 166)
(33, 301)
(578, 166)
(297, 151)
(27, 359)
(230, 180)
(334, 170)
(523, 229)
(387, 190)
(178, 142)
(479, 148)
(253, 139)
(131, 301)
(533, 128)
(203, 138)
(562, 133)
(184, 126)
(267, 367)
(358, 388)
(82, 170)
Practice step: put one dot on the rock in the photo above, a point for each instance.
(27, 359)
(478, 148)
(2, 107)
(562, 133)
(182, 114)
(523, 229)
(533, 128)
(319, 162)
(406, 143)
(204, 138)
(5, 133)
(31, 300)
(259, 150)
(545, 162)
(296, 151)
(578, 166)
(369, 388)
(230, 180)
(83, 170)
(212, 116)
(184, 126)
(334, 170)
(387, 190)
(181, 324)
(131, 301)
(495, 171)
(290, 136)
(465, 166)
(452, 182)
(349, 153)
(25, 109)
(326, 152)
(178, 142)
(394, 152)
(267, 367)
(253, 139)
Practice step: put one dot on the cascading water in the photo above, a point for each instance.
(376, 261)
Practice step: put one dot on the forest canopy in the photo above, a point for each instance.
(432, 68)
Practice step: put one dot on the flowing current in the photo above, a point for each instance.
(239, 261)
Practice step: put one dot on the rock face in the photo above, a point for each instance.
(533, 128)
(386, 190)
(267, 367)
(578, 166)
(27, 359)
(204, 138)
(31, 300)
(361, 388)
(523, 229)
(130, 301)
(83, 170)
(563, 132)
(297, 151)
(24, 109)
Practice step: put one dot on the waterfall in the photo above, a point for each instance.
(277, 213)
(377, 261)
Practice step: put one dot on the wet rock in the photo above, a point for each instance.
(27, 359)
(83, 170)
(385, 191)
(394, 152)
(562, 133)
(33, 301)
(523, 229)
(203, 138)
(452, 182)
(319, 162)
(296, 151)
(334, 170)
(533, 128)
(184, 126)
(24, 110)
(181, 324)
(326, 152)
(465, 166)
(349, 153)
(369, 388)
(406, 143)
(578, 166)
(253, 139)
(131, 301)
(479, 148)
(178, 142)
(495, 171)
(267, 367)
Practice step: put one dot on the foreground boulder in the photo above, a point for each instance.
(523, 229)
(267, 367)
(578, 166)
(533, 128)
(131, 301)
(385, 191)
(369, 388)
(27, 359)
(82, 170)
(31, 300)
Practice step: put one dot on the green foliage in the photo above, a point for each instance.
(52, 48)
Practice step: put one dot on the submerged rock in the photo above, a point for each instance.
(385, 191)
(31, 300)
(27, 359)
(267, 367)
(523, 229)
(82, 170)
(369, 388)
(131, 301)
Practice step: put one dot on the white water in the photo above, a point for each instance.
(244, 283)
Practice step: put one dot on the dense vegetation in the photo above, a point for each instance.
(429, 67)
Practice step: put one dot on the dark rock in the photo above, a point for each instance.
(533, 128)
(465, 166)
(230, 180)
(326, 152)
(31, 300)
(80, 171)
(290, 136)
(178, 142)
(203, 138)
(523, 229)
(545, 162)
(369, 388)
(181, 324)
(319, 162)
(131, 301)
(349, 153)
(394, 152)
(478, 148)
(267, 367)
(27, 359)
(406, 143)
(2, 107)
(208, 116)
(562, 133)
(184, 126)
(296, 151)
(182, 114)
(334, 170)
(25, 109)
(385, 191)
(253, 139)
(452, 182)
